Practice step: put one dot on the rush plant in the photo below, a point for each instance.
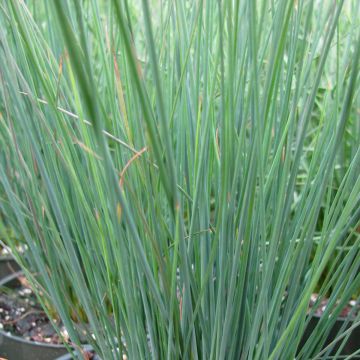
(184, 171)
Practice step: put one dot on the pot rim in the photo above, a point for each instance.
(20, 339)
(7, 257)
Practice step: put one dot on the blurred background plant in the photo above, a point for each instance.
(184, 173)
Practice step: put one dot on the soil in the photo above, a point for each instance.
(323, 304)
(5, 251)
(22, 315)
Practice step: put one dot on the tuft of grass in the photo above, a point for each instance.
(185, 174)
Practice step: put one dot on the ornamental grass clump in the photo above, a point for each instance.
(184, 171)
